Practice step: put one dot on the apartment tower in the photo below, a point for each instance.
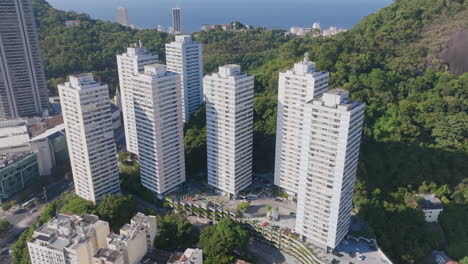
(331, 139)
(184, 56)
(90, 137)
(23, 89)
(229, 128)
(159, 128)
(129, 64)
(296, 86)
(176, 20)
(122, 16)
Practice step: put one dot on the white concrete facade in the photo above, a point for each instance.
(184, 56)
(159, 127)
(68, 239)
(90, 138)
(229, 128)
(23, 87)
(332, 128)
(296, 86)
(131, 63)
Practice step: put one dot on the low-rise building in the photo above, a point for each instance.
(431, 206)
(135, 239)
(108, 256)
(190, 256)
(68, 239)
(71, 23)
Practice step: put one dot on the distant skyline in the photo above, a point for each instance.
(269, 13)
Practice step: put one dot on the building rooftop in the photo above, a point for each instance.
(430, 201)
(108, 254)
(7, 159)
(189, 256)
(65, 231)
(14, 138)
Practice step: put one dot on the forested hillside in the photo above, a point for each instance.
(416, 128)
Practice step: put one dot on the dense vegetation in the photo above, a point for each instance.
(4, 225)
(223, 241)
(174, 233)
(117, 210)
(416, 127)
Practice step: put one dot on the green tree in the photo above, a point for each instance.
(116, 209)
(220, 241)
(175, 233)
(4, 225)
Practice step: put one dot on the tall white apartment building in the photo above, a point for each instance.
(159, 128)
(331, 139)
(131, 63)
(229, 128)
(176, 20)
(122, 16)
(23, 88)
(90, 137)
(184, 56)
(296, 86)
(68, 239)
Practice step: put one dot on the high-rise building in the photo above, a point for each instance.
(184, 56)
(159, 128)
(130, 63)
(90, 137)
(122, 16)
(331, 139)
(229, 128)
(68, 239)
(176, 20)
(23, 89)
(296, 86)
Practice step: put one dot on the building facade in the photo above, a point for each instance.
(108, 256)
(296, 86)
(431, 206)
(23, 89)
(176, 20)
(68, 239)
(184, 56)
(229, 128)
(332, 128)
(159, 128)
(131, 63)
(135, 239)
(122, 16)
(90, 138)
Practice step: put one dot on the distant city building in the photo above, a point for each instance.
(296, 86)
(90, 137)
(159, 128)
(71, 23)
(176, 20)
(108, 256)
(135, 239)
(27, 149)
(184, 56)
(160, 28)
(23, 89)
(316, 25)
(170, 30)
(332, 31)
(131, 63)
(68, 239)
(118, 100)
(190, 256)
(229, 128)
(431, 206)
(332, 128)
(122, 16)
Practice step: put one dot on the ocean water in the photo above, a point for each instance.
(281, 14)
